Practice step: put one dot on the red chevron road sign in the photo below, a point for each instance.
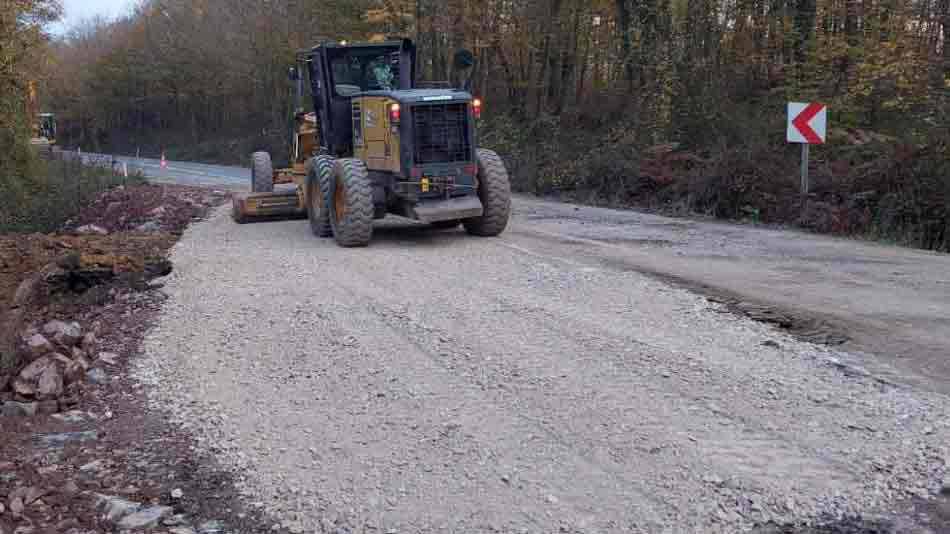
(807, 123)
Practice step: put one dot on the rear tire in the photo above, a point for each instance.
(318, 193)
(494, 191)
(262, 173)
(236, 212)
(351, 203)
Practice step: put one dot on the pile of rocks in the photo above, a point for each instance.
(57, 360)
(155, 221)
(145, 208)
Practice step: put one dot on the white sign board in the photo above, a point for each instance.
(807, 123)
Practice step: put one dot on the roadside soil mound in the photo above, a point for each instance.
(146, 208)
(122, 238)
(79, 453)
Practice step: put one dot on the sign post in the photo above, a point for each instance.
(805, 154)
(807, 125)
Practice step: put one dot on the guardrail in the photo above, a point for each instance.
(90, 174)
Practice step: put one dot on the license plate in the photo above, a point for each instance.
(436, 183)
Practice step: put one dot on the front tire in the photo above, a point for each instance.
(262, 173)
(494, 191)
(351, 203)
(318, 195)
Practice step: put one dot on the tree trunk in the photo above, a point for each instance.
(541, 86)
(584, 60)
(514, 93)
(776, 32)
(556, 59)
(852, 21)
(626, 41)
(570, 58)
(946, 37)
(805, 11)
(649, 28)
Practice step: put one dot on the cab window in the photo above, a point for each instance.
(361, 71)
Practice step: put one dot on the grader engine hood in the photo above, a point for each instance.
(436, 129)
(422, 132)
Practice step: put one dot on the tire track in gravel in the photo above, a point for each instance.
(769, 440)
(582, 464)
(887, 304)
(436, 382)
(469, 406)
(485, 424)
(763, 444)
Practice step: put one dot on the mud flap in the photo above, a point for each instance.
(431, 211)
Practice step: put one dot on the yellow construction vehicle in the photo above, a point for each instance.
(377, 142)
(44, 125)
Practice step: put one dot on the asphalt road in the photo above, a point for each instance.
(196, 174)
(590, 370)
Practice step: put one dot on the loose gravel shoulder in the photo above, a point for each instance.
(436, 382)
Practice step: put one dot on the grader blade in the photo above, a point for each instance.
(247, 207)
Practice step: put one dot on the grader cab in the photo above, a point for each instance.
(374, 143)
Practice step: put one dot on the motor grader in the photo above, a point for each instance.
(376, 142)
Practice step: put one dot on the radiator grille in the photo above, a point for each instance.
(440, 133)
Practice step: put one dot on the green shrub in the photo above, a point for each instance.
(862, 183)
(54, 191)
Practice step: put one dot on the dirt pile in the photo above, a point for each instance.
(77, 453)
(146, 208)
(121, 238)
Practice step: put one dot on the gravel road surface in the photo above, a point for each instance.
(890, 305)
(540, 382)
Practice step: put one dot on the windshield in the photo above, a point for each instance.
(362, 70)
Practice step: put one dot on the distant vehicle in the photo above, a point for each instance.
(44, 126)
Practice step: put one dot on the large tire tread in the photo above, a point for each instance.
(262, 173)
(355, 228)
(236, 212)
(318, 187)
(494, 190)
